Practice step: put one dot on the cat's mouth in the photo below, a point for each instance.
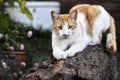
(65, 36)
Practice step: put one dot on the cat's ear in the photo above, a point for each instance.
(73, 15)
(54, 16)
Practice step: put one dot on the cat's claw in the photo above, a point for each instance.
(63, 55)
(60, 55)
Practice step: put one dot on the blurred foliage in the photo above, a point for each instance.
(39, 45)
(117, 23)
(9, 33)
(22, 6)
(9, 70)
(24, 9)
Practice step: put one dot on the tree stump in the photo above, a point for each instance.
(92, 64)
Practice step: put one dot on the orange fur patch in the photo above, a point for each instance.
(91, 12)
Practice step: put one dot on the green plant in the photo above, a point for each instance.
(22, 6)
(10, 36)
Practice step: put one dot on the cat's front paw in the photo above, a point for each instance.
(59, 55)
(70, 54)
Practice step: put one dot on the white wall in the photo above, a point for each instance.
(40, 11)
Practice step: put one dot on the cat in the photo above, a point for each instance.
(83, 26)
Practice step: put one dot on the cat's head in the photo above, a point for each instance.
(64, 24)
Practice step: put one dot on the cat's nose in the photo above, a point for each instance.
(65, 35)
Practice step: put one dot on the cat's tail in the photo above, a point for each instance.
(111, 37)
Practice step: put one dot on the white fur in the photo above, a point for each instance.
(78, 39)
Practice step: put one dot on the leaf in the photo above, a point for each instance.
(24, 9)
(21, 6)
(28, 13)
(15, 31)
(6, 44)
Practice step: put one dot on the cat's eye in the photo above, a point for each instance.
(69, 27)
(60, 27)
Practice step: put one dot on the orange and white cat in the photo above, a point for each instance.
(83, 26)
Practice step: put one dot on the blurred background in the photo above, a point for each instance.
(30, 36)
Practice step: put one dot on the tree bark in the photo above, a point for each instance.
(92, 64)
